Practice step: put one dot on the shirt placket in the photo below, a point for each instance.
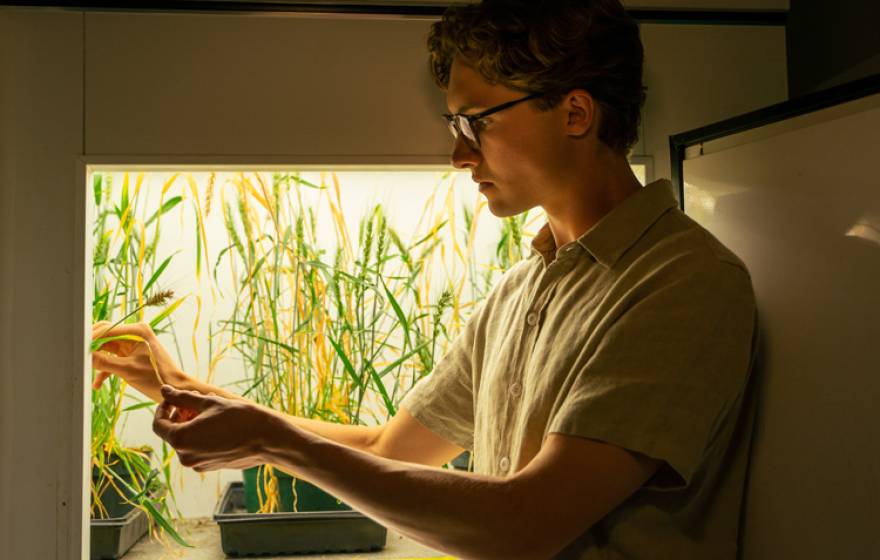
(537, 303)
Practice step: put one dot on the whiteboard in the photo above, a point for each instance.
(799, 201)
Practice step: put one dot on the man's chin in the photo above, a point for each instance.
(500, 210)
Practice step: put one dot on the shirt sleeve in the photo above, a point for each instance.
(666, 378)
(443, 401)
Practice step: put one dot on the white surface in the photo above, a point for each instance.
(800, 205)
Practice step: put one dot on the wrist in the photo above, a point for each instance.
(278, 439)
(179, 380)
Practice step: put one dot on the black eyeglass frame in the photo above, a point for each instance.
(456, 120)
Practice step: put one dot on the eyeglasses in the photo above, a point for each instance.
(466, 125)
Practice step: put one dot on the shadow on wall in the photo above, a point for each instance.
(816, 272)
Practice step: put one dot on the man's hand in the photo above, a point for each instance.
(210, 432)
(131, 359)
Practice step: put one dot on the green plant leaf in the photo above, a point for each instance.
(166, 206)
(431, 234)
(397, 310)
(168, 311)
(97, 181)
(402, 359)
(138, 406)
(158, 272)
(99, 342)
(293, 351)
(377, 380)
(345, 361)
(162, 522)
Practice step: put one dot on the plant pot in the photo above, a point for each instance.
(112, 538)
(308, 496)
(124, 525)
(253, 534)
(116, 502)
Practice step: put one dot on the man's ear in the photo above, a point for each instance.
(582, 112)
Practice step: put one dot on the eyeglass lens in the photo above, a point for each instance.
(460, 123)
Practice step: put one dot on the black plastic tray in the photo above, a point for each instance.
(111, 538)
(263, 534)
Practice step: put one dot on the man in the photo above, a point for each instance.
(600, 384)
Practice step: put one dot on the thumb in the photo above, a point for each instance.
(185, 399)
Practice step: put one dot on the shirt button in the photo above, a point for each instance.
(504, 464)
(515, 389)
(532, 319)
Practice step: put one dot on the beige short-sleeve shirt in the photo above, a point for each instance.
(640, 334)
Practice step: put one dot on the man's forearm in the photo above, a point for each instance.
(465, 514)
(359, 437)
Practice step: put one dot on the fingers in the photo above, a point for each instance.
(163, 425)
(108, 363)
(100, 378)
(171, 420)
(191, 400)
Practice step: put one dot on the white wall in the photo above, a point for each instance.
(124, 88)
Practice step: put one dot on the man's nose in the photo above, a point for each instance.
(464, 156)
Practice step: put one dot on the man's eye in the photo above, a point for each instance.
(479, 125)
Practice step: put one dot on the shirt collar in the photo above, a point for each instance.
(620, 228)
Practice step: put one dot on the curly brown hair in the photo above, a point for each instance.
(551, 47)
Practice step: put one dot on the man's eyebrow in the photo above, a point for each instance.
(464, 108)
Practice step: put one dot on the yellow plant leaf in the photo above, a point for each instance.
(254, 193)
(201, 222)
(127, 209)
(140, 269)
(450, 208)
(168, 183)
(195, 328)
(138, 182)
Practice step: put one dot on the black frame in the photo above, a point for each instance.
(802, 105)
(677, 16)
(453, 119)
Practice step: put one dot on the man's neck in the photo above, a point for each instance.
(584, 204)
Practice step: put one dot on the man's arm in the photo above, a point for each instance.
(402, 438)
(363, 438)
(572, 483)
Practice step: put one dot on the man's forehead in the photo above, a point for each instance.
(467, 89)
